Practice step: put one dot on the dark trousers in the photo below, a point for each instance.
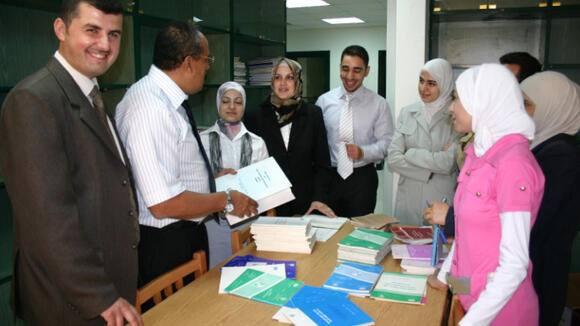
(161, 250)
(357, 195)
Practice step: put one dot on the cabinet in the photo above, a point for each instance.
(242, 28)
(470, 32)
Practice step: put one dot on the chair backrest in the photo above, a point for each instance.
(244, 237)
(165, 282)
(241, 238)
(456, 312)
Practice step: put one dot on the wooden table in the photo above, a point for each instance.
(200, 304)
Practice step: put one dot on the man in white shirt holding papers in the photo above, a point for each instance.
(175, 186)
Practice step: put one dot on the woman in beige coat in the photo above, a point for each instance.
(423, 150)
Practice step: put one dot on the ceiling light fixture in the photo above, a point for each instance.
(305, 3)
(345, 20)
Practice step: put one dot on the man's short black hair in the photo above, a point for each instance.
(357, 51)
(528, 64)
(174, 43)
(70, 8)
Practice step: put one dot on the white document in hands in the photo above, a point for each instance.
(263, 181)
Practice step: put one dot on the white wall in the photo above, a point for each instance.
(405, 57)
(335, 40)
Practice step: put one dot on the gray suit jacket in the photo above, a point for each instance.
(75, 219)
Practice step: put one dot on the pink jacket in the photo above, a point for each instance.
(506, 178)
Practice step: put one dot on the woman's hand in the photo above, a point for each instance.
(436, 213)
(446, 147)
(224, 172)
(435, 283)
(321, 207)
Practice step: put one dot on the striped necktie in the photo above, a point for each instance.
(344, 165)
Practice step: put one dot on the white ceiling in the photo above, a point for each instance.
(373, 12)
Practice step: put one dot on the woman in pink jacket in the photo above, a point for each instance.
(499, 191)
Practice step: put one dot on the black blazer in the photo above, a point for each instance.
(75, 218)
(307, 160)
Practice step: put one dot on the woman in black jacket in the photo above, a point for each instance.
(553, 101)
(295, 135)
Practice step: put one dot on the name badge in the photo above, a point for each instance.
(459, 285)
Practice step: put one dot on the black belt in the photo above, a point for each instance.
(360, 167)
(183, 224)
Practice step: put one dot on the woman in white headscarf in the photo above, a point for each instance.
(424, 146)
(229, 146)
(499, 191)
(553, 101)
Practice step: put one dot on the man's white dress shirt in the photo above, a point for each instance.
(164, 154)
(372, 122)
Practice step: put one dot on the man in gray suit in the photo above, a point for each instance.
(69, 181)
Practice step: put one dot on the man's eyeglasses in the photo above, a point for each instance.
(210, 59)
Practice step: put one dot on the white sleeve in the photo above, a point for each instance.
(383, 135)
(260, 151)
(511, 272)
(446, 267)
(150, 141)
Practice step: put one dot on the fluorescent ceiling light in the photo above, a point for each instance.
(305, 3)
(345, 20)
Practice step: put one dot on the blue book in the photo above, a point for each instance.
(328, 307)
(353, 278)
(249, 260)
(437, 245)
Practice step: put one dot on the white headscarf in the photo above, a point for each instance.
(557, 100)
(442, 71)
(491, 94)
(229, 85)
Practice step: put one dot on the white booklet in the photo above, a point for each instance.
(263, 181)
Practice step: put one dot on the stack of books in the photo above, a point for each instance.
(416, 259)
(413, 235)
(324, 226)
(283, 234)
(240, 72)
(373, 221)
(365, 246)
(354, 279)
(260, 71)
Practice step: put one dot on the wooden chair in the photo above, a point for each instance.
(456, 312)
(241, 238)
(573, 296)
(165, 282)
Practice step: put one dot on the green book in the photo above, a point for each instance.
(264, 287)
(366, 240)
(403, 288)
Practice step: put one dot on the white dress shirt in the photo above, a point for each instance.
(372, 123)
(86, 85)
(164, 154)
(231, 149)
(219, 237)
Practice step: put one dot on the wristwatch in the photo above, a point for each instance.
(229, 202)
